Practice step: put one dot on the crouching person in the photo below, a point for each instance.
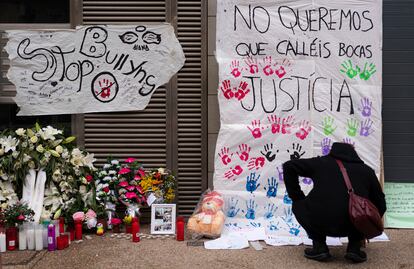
(324, 211)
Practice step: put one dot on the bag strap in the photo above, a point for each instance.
(345, 174)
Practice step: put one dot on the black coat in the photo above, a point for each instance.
(327, 203)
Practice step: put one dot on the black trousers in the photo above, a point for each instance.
(316, 233)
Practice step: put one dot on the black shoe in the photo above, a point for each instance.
(319, 252)
(356, 257)
(354, 252)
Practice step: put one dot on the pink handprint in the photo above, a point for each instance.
(235, 68)
(286, 124)
(242, 91)
(275, 123)
(226, 89)
(252, 63)
(256, 163)
(237, 170)
(225, 155)
(281, 72)
(267, 66)
(244, 152)
(255, 129)
(304, 130)
(230, 174)
(105, 86)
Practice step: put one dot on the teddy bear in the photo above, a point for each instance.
(209, 218)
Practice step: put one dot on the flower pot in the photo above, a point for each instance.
(11, 237)
(116, 228)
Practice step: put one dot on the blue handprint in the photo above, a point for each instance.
(288, 217)
(272, 187)
(270, 210)
(232, 208)
(272, 226)
(256, 224)
(251, 209)
(251, 184)
(286, 199)
(294, 229)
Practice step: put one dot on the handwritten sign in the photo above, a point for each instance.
(400, 205)
(92, 68)
(294, 77)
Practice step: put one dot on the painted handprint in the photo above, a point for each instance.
(294, 229)
(105, 85)
(304, 130)
(348, 70)
(271, 187)
(367, 72)
(270, 210)
(252, 64)
(326, 146)
(288, 216)
(256, 163)
(235, 68)
(287, 124)
(280, 173)
(243, 152)
(225, 156)
(366, 106)
(328, 127)
(272, 226)
(366, 127)
(226, 89)
(251, 207)
(242, 91)
(232, 208)
(267, 66)
(286, 199)
(255, 224)
(251, 183)
(348, 141)
(296, 151)
(352, 127)
(233, 172)
(274, 123)
(280, 71)
(269, 152)
(256, 129)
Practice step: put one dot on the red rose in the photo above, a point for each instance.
(89, 178)
(20, 217)
(106, 189)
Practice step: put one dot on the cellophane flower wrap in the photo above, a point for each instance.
(161, 183)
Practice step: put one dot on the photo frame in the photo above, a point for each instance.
(163, 218)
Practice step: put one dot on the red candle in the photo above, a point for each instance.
(71, 231)
(61, 225)
(60, 242)
(11, 238)
(78, 230)
(135, 230)
(180, 228)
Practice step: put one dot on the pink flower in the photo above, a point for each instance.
(123, 184)
(130, 160)
(137, 177)
(89, 178)
(78, 216)
(20, 217)
(130, 195)
(139, 189)
(124, 170)
(141, 172)
(130, 188)
(90, 214)
(116, 221)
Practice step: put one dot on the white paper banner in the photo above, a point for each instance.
(92, 68)
(294, 77)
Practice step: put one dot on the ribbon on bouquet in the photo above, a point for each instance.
(34, 191)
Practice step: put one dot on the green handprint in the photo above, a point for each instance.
(349, 70)
(367, 73)
(328, 126)
(352, 127)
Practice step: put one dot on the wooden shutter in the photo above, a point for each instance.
(169, 132)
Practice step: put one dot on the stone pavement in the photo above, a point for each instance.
(107, 252)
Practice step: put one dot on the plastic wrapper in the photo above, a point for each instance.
(208, 218)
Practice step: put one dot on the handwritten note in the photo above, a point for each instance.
(400, 205)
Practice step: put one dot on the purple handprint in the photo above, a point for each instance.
(280, 173)
(326, 146)
(348, 141)
(366, 106)
(307, 181)
(366, 127)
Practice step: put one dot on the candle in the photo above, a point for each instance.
(51, 239)
(180, 228)
(2, 242)
(30, 236)
(56, 224)
(135, 230)
(45, 225)
(61, 225)
(39, 237)
(22, 237)
(78, 230)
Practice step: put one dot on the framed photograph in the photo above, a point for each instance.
(162, 218)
